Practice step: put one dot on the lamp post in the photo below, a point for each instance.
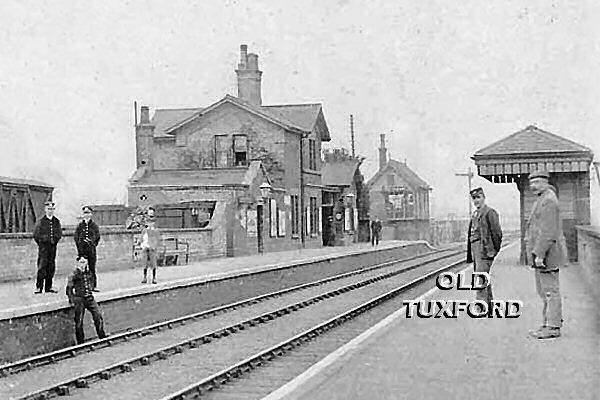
(265, 190)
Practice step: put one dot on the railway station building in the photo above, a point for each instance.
(255, 168)
(400, 198)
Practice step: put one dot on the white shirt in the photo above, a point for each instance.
(145, 244)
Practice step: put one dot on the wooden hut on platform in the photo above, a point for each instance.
(513, 158)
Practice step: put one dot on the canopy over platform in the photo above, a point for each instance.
(513, 158)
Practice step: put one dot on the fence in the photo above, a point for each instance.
(448, 231)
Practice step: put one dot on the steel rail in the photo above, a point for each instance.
(84, 380)
(72, 351)
(235, 371)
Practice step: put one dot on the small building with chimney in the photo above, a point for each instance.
(400, 198)
(345, 208)
(259, 165)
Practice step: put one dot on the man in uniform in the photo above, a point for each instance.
(545, 244)
(87, 236)
(375, 231)
(79, 292)
(483, 242)
(46, 234)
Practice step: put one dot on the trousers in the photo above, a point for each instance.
(81, 304)
(375, 238)
(482, 265)
(149, 258)
(46, 266)
(547, 287)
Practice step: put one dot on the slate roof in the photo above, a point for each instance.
(164, 118)
(405, 172)
(201, 177)
(531, 140)
(299, 116)
(19, 181)
(338, 173)
(241, 176)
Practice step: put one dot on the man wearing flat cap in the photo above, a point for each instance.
(87, 236)
(47, 233)
(483, 242)
(545, 245)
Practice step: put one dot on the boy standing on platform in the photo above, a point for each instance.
(151, 241)
(79, 292)
(375, 231)
(46, 234)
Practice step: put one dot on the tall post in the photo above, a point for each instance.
(469, 175)
(352, 134)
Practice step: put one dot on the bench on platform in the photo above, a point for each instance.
(170, 253)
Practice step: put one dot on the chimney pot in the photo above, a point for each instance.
(145, 115)
(253, 62)
(382, 153)
(243, 56)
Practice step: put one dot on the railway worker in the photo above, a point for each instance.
(79, 292)
(375, 231)
(546, 245)
(484, 239)
(151, 241)
(47, 233)
(87, 236)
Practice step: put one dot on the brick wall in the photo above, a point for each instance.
(18, 252)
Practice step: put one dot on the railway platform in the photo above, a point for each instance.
(466, 358)
(33, 324)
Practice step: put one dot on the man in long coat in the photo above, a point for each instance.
(545, 245)
(46, 234)
(484, 239)
(87, 236)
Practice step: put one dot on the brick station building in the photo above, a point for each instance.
(400, 198)
(514, 157)
(259, 164)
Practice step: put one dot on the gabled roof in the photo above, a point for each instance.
(237, 176)
(293, 117)
(305, 116)
(165, 118)
(531, 140)
(404, 171)
(339, 173)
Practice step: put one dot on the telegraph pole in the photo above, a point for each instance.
(352, 134)
(469, 175)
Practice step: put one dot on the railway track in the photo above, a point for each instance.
(218, 344)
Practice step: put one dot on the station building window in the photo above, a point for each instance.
(240, 149)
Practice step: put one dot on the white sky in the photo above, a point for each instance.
(448, 78)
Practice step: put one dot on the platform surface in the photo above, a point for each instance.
(18, 298)
(468, 358)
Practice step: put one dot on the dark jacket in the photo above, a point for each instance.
(47, 232)
(79, 284)
(376, 226)
(545, 238)
(491, 233)
(86, 236)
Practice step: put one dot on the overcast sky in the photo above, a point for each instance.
(441, 79)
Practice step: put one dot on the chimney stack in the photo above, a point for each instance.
(144, 140)
(249, 77)
(145, 115)
(382, 153)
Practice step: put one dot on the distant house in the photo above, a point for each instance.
(345, 200)
(260, 164)
(400, 198)
(22, 203)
